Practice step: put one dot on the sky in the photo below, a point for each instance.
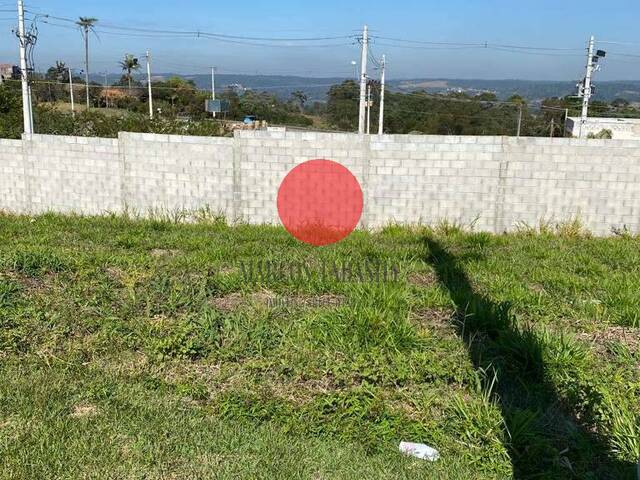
(544, 24)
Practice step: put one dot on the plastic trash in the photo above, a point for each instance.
(419, 450)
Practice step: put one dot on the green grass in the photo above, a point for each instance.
(138, 349)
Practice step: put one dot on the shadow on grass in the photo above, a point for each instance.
(546, 440)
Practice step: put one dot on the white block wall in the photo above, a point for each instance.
(426, 179)
(596, 181)
(71, 174)
(495, 183)
(172, 172)
(13, 189)
(265, 158)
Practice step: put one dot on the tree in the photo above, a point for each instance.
(342, 105)
(10, 112)
(620, 103)
(515, 98)
(129, 64)
(86, 24)
(487, 97)
(58, 72)
(300, 98)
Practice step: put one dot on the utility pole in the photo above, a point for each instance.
(149, 85)
(27, 119)
(552, 127)
(73, 110)
(369, 109)
(587, 86)
(363, 79)
(519, 120)
(213, 86)
(86, 62)
(381, 116)
(106, 94)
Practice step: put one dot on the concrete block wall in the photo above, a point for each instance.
(13, 188)
(494, 183)
(71, 174)
(172, 172)
(264, 158)
(427, 179)
(596, 181)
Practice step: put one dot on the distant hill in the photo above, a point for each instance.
(530, 89)
(316, 88)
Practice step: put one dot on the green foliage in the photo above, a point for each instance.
(9, 293)
(267, 107)
(48, 120)
(145, 329)
(33, 262)
(605, 133)
(10, 112)
(342, 105)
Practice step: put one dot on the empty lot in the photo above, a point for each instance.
(144, 349)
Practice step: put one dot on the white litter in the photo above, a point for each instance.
(419, 450)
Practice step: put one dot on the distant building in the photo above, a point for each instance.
(621, 128)
(237, 88)
(8, 71)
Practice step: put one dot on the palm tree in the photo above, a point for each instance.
(86, 24)
(129, 64)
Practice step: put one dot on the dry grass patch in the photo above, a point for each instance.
(627, 336)
(423, 279)
(236, 300)
(164, 252)
(83, 410)
(434, 319)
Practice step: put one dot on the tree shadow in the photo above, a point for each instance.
(546, 438)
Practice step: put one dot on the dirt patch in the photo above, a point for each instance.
(163, 252)
(428, 319)
(625, 335)
(84, 410)
(180, 371)
(126, 363)
(228, 303)
(227, 270)
(29, 283)
(307, 301)
(425, 279)
(537, 288)
(115, 273)
(234, 301)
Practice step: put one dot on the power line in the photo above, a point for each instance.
(104, 27)
(198, 35)
(630, 55)
(415, 47)
(629, 44)
(476, 44)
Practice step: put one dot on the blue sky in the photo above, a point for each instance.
(541, 23)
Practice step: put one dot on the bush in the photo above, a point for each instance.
(10, 112)
(605, 133)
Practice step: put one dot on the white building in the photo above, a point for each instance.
(621, 128)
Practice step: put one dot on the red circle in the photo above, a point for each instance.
(320, 202)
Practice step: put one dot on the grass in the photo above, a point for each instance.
(142, 349)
